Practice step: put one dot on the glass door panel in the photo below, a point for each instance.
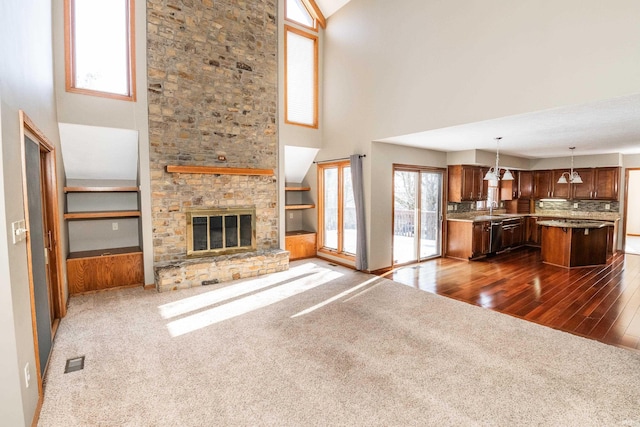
(331, 208)
(430, 214)
(405, 217)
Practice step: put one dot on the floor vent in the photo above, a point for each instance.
(75, 364)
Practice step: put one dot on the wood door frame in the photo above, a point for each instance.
(626, 206)
(415, 168)
(50, 194)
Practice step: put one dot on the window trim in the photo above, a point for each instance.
(313, 37)
(315, 21)
(340, 165)
(69, 58)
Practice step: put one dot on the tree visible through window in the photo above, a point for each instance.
(99, 54)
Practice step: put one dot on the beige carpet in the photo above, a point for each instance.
(322, 345)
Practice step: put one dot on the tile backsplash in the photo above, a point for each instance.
(548, 205)
(586, 205)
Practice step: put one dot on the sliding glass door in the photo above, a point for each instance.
(417, 214)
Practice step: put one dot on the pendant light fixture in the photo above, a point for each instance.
(493, 174)
(573, 176)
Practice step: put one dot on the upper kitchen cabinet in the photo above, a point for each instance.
(583, 191)
(509, 189)
(606, 182)
(542, 184)
(559, 191)
(525, 184)
(598, 184)
(465, 183)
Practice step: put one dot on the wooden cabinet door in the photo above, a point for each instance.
(584, 191)
(301, 246)
(471, 183)
(533, 231)
(483, 186)
(605, 184)
(480, 238)
(559, 191)
(525, 184)
(104, 272)
(518, 233)
(541, 184)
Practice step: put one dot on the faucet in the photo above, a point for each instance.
(492, 203)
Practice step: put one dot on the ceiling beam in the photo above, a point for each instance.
(313, 8)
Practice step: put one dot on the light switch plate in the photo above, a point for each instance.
(607, 206)
(18, 231)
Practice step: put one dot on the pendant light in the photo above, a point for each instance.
(574, 177)
(493, 174)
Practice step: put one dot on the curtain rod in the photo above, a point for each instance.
(335, 160)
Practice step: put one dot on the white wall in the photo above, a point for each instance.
(395, 68)
(104, 112)
(26, 83)
(426, 65)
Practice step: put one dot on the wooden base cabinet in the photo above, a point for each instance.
(89, 271)
(300, 244)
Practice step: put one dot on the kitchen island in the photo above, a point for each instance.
(574, 243)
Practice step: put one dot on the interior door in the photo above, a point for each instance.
(39, 251)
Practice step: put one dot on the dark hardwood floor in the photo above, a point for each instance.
(602, 303)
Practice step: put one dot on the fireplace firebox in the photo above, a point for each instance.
(220, 231)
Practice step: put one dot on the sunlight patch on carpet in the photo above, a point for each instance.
(197, 302)
(337, 297)
(252, 302)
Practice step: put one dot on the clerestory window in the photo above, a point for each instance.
(301, 77)
(99, 40)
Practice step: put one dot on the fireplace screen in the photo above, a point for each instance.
(220, 231)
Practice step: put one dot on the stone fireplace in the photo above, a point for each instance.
(212, 73)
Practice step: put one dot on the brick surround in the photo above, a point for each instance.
(212, 76)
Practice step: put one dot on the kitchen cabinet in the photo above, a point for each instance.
(583, 191)
(525, 184)
(509, 189)
(466, 183)
(606, 182)
(559, 191)
(533, 232)
(597, 184)
(481, 238)
(512, 233)
(466, 239)
(542, 184)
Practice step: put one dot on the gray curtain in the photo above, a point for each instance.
(358, 193)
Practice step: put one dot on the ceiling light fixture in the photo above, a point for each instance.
(493, 174)
(573, 176)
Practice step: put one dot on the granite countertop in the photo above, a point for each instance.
(575, 223)
(500, 214)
